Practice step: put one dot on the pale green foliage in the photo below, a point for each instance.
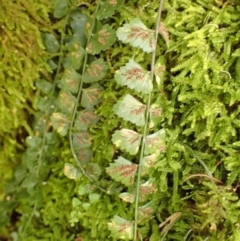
(137, 34)
(137, 163)
(135, 77)
(22, 59)
(131, 109)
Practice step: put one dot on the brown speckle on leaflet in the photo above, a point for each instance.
(138, 111)
(136, 73)
(102, 41)
(113, 2)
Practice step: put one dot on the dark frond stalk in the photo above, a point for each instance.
(76, 105)
(146, 125)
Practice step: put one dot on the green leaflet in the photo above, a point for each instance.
(66, 102)
(71, 171)
(76, 202)
(74, 57)
(70, 80)
(60, 123)
(90, 96)
(146, 212)
(78, 25)
(60, 8)
(50, 42)
(86, 189)
(84, 155)
(146, 189)
(85, 118)
(130, 109)
(121, 228)
(94, 197)
(164, 32)
(155, 142)
(44, 86)
(155, 115)
(95, 71)
(93, 170)
(137, 34)
(148, 162)
(101, 40)
(127, 197)
(122, 171)
(135, 77)
(159, 69)
(127, 140)
(108, 8)
(81, 140)
(30, 182)
(33, 141)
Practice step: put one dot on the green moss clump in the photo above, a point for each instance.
(22, 59)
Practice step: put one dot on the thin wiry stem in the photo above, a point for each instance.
(147, 120)
(76, 106)
(46, 119)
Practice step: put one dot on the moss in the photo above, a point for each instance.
(22, 59)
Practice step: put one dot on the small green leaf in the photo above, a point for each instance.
(66, 102)
(50, 42)
(84, 156)
(95, 71)
(147, 189)
(159, 69)
(74, 57)
(60, 8)
(34, 141)
(108, 8)
(155, 114)
(81, 140)
(164, 32)
(130, 109)
(121, 228)
(71, 171)
(44, 86)
(85, 119)
(135, 77)
(155, 142)
(43, 103)
(51, 138)
(101, 40)
(93, 197)
(122, 171)
(86, 206)
(60, 123)
(78, 22)
(76, 202)
(146, 212)
(93, 170)
(86, 189)
(30, 181)
(90, 96)
(20, 173)
(127, 197)
(128, 140)
(137, 34)
(70, 80)
(148, 162)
